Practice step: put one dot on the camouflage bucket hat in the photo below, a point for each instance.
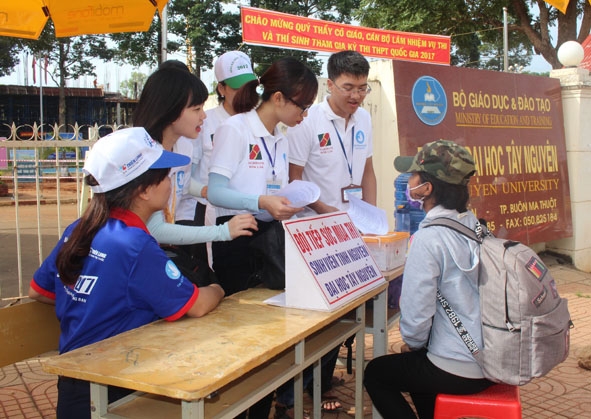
(446, 160)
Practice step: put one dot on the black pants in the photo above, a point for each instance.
(73, 398)
(233, 266)
(387, 377)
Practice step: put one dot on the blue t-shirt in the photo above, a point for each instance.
(126, 281)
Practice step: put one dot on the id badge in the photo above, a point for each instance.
(354, 190)
(273, 186)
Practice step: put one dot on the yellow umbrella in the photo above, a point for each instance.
(27, 18)
(560, 4)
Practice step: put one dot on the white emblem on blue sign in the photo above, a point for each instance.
(429, 100)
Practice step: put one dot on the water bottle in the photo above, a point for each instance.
(410, 218)
(401, 213)
(402, 216)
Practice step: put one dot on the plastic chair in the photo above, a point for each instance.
(499, 401)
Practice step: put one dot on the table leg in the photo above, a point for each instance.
(193, 409)
(380, 331)
(317, 391)
(99, 400)
(380, 324)
(359, 361)
(298, 383)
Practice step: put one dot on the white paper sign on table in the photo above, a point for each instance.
(327, 263)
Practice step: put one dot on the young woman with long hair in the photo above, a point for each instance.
(250, 163)
(171, 110)
(107, 274)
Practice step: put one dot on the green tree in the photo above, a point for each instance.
(71, 56)
(9, 55)
(138, 48)
(132, 87)
(476, 26)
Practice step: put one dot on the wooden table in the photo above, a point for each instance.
(217, 365)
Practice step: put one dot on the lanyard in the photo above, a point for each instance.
(272, 160)
(349, 165)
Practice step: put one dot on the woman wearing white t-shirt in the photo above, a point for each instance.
(232, 70)
(249, 165)
(171, 110)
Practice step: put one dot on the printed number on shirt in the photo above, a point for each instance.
(85, 284)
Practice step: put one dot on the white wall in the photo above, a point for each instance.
(576, 103)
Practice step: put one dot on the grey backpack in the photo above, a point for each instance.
(525, 323)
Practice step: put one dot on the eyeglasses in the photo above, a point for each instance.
(302, 107)
(350, 90)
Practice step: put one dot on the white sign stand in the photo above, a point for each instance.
(327, 263)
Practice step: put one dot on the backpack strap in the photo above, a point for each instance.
(476, 235)
(460, 329)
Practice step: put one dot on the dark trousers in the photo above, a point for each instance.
(387, 377)
(73, 398)
(233, 263)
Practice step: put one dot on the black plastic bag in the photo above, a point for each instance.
(269, 257)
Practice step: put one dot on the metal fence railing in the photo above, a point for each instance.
(41, 193)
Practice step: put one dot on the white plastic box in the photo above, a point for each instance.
(388, 250)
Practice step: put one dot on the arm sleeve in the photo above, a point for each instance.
(195, 186)
(179, 234)
(418, 297)
(220, 194)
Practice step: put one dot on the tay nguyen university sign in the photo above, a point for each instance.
(513, 126)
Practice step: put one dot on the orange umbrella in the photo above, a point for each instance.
(27, 18)
(560, 4)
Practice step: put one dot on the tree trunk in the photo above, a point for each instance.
(566, 28)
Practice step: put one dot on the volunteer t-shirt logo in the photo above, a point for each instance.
(171, 270)
(324, 139)
(254, 152)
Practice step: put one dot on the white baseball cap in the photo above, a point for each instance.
(124, 155)
(234, 69)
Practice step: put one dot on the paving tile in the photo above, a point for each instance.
(27, 392)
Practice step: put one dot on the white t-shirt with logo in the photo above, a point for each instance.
(247, 154)
(204, 144)
(317, 144)
(178, 208)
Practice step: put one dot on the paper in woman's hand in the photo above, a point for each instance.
(367, 218)
(300, 193)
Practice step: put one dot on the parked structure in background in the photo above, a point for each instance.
(19, 105)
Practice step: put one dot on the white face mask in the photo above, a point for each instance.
(412, 202)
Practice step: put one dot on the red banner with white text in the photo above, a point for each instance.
(282, 30)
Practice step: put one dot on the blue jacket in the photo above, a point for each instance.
(438, 257)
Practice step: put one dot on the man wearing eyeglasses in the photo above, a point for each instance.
(333, 147)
